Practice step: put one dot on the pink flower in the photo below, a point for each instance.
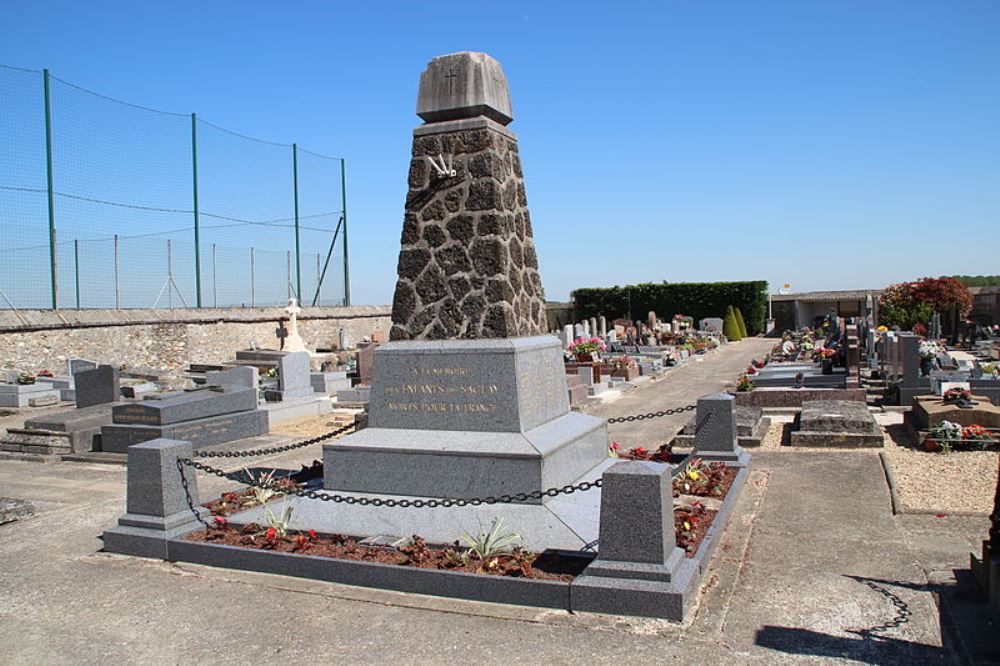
(221, 522)
(615, 446)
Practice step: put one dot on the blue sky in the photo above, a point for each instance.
(823, 144)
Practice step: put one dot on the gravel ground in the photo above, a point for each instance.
(961, 483)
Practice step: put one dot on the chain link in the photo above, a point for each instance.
(652, 415)
(402, 503)
(273, 449)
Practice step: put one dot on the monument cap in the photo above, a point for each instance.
(464, 85)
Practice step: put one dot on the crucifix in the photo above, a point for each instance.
(451, 76)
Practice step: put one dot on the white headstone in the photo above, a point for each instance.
(344, 340)
(567, 335)
(294, 342)
(604, 326)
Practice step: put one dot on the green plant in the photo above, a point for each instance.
(730, 327)
(741, 323)
(744, 384)
(264, 490)
(492, 543)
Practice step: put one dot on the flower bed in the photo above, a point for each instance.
(947, 436)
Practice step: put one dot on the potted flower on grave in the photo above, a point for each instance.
(928, 352)
(624, 366)
(585, 349)
(25, 378)
(955, 395)
(669, 359)
(744, 384)
(826, 356)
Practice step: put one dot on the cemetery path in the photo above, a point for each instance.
(681, 386)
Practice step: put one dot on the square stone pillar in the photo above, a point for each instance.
(156, 505)
(909, 357)
(715, 431)
(639, 569)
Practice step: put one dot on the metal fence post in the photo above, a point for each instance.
(48, 169)
(117, 288)
(295, 189)
(343, 201)
(76, 269)
(215, 283)
(288, 274)
(194, 189)
(170, 279)
(253, 280)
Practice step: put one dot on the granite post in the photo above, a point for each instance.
(639, 569)
(156, 505)
(715, 435)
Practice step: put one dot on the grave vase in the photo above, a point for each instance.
(828, 366)
(585, 357)
(925, 366)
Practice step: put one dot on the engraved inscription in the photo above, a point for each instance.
(443, 390)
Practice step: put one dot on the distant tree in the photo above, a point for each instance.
(730, 327)
(979, 280)
(910, 303)
(739, 322)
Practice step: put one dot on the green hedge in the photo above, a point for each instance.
(697, 299)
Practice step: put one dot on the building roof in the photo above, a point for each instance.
(825, 296)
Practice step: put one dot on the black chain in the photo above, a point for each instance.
(187, 495)
(403, 503)
(652, 415)
(273, 449)
(903, 611)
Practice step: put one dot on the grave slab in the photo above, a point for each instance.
(836, 423)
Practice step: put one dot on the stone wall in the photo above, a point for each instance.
(166, 340)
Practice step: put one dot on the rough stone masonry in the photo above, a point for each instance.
(467, 268)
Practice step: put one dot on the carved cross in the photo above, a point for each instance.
(451, 76)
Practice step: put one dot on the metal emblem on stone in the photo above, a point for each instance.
(469, 398)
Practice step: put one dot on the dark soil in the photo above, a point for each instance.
(550, 565)
(690, 527)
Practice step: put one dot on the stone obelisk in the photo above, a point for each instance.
(467, 268)
(469, 396)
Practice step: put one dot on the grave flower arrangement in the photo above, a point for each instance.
(623, 362)
(703, 479)
(586, 347)
(45, 373)
(929, 350)
(25, 378)
(956, 394)
(946, 436)
(751, 370)
(744, 384)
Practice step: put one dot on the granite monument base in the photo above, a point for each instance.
(117, 437)
(837, 424)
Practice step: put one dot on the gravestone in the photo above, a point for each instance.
(366, 359)
(344, 339)
(853, 356)
(603, 323)
(293, 341)
(567, 336)
(711, 324)
(75, 365)
(593, 326)
(293, 376)
(469, 398)
(246, 375)
(836, 423)
(97, 386)
(716, 433)
(201, 416)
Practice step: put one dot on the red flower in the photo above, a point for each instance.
(615, 446)
(220, 522)
(940, 515)
(312, 535)
(639, 452)
(271, 534)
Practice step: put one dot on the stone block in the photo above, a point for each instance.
(464, 85)
(716, 431)
(293, 375)
(97, 386)
(497, 385)
(118, 438)
(187, 405)
(156, 502)
(246, 375)
(44, 400)
(836, 423)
